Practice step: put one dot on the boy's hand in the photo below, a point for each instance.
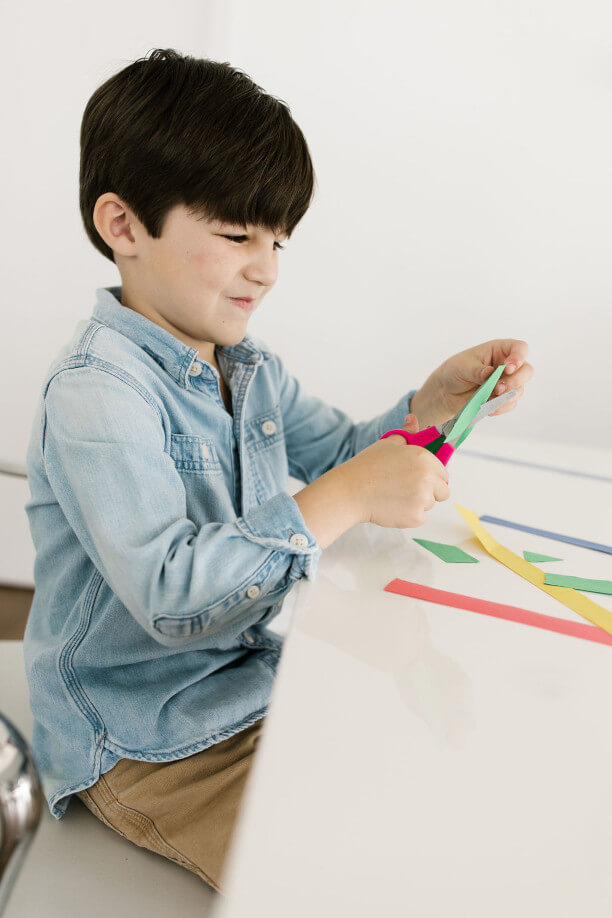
(394, 483)
(451, 386)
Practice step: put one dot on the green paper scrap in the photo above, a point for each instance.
(579, 583)
(475, 404)
(449, 553)
(536, 558)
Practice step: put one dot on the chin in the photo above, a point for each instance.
(228, 336)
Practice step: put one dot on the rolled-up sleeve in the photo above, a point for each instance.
(318, 436)
(105, 457)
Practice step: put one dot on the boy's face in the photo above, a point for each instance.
(185, 280)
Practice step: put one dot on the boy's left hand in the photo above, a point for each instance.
(451, 386)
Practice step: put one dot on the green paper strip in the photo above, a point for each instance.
(579, 583)
(534, 557)
(475, 404)
(449, 553)
(465, 434)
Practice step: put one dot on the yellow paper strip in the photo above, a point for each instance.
(569, 597)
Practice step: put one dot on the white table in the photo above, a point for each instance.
(427, 761)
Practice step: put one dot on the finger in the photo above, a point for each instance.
(485, 373)
(441, 490)
(510, 405)
(502, 350)
(411, 423)
(516, 355)
(438, 468)
(516, 380)
(509, 351)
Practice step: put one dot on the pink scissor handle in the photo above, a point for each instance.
(424, 438)
(445, 452)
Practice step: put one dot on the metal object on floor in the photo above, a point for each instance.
(20, 804)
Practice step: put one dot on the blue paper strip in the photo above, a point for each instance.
(596, 546)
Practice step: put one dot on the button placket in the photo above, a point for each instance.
(244, 378)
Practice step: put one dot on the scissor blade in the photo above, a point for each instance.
(487, 409)
(491, 406)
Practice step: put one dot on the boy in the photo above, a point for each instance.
(159, 460)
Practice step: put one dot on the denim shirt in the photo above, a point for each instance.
(165, 540)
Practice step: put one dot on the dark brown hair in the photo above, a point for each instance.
(172, 129)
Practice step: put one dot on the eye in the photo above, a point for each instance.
(242, 238)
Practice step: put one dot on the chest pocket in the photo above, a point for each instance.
(208, 492)
(194, 454)
(265, 440)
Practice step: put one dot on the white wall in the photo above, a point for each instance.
(54, 56)
(463, 154)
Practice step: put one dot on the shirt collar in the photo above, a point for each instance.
(173, 355)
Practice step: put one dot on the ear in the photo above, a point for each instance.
(116, 224)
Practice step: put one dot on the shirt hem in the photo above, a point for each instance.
(58, 803)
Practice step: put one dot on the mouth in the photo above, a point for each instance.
(243, 302)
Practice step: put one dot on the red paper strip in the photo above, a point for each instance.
(499, 610)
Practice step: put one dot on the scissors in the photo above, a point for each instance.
(443, 441)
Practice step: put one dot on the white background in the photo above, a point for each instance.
(464, 192)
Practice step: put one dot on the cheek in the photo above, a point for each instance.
(212, 267)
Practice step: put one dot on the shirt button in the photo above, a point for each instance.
(205, 451)
(195, 369)
(298, 539)
(253, 592)
(268, 427)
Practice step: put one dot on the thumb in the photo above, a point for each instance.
(411, 423)
(483, 373)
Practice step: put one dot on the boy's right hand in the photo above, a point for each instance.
(397, 483)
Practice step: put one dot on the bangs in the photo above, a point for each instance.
(265, 181)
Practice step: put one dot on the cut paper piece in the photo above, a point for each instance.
(449, 553)
(474, 405)
(579, 583)
(500, 610)
(534, 557)
(596, 546)
(570, 598)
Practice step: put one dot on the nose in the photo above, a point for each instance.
(262, 269)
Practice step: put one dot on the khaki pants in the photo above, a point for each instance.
(183, 810)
